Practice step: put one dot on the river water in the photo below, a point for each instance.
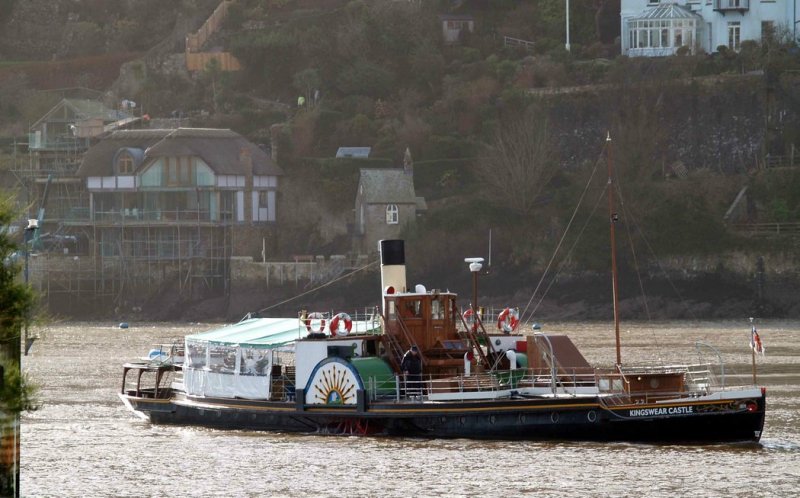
(82, 442)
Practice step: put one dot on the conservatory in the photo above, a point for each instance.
(661, 31)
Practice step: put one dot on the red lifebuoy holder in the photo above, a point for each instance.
(341, 324)
(315, 322)
(507, 320)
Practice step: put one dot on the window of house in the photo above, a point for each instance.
(178, 171)
(125, 164)
(734, 35)
(767, 31)
(392, 214)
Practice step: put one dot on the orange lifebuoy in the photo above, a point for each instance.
(313, 319)
(507, 320)
(338, 319)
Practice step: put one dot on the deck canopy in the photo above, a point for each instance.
(238, 360)
(253, 332)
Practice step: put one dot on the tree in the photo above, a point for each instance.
(16, 394)
(306, 81)
(519, 162)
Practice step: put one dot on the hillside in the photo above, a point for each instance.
(688, 131)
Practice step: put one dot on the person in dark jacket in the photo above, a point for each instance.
(412, 371)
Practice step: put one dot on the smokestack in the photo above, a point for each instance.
(393, 266)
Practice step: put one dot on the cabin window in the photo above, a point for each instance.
(392, 214)
(437, 309)
(412, 308)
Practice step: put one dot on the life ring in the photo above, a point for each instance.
(468, 317)
(338, 319)
(508, 319)
(313, 320)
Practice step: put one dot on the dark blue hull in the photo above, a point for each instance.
(574, 419)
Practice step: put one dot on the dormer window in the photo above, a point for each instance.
(125, 164)
(392, 214)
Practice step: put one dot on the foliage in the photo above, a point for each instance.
(365, 78)
(16, 304)
(518, 164)
(19, 392)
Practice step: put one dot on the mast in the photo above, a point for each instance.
(613, 217)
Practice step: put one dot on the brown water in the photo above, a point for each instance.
(82, 442)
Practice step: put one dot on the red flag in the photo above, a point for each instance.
(755, 341)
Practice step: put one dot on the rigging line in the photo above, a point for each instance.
(564, 235)
(663, 270)
(626, 214)
(569, 252)
(368, 265)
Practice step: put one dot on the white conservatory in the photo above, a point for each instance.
(662, 31)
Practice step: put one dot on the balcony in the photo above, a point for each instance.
(725, 6)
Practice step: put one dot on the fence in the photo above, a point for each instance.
(517, 42)
(196, 60)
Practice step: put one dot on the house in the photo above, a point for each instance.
(209, 175)
(455, 25)
(70, 126)
(56, 144)
(657, 28)
(385, 204)
(174, 205)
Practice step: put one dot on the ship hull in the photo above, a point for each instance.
(732, 419)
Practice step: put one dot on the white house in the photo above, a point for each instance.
(655, 28)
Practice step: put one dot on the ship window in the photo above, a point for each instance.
(436, 309)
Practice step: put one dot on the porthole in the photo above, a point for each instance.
(591, 416)
(443, 419)
(554, 417)
(463, 420)
(492, 419)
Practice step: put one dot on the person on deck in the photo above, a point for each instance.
(412, 371)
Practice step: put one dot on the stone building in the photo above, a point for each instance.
(385, 204)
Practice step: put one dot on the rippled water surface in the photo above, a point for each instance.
(82, 442)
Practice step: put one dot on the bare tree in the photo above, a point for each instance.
(518, 163)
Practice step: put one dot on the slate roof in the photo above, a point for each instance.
(391, 185)
(220, 149)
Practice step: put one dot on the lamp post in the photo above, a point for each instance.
(566, 45)
(475, 265)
